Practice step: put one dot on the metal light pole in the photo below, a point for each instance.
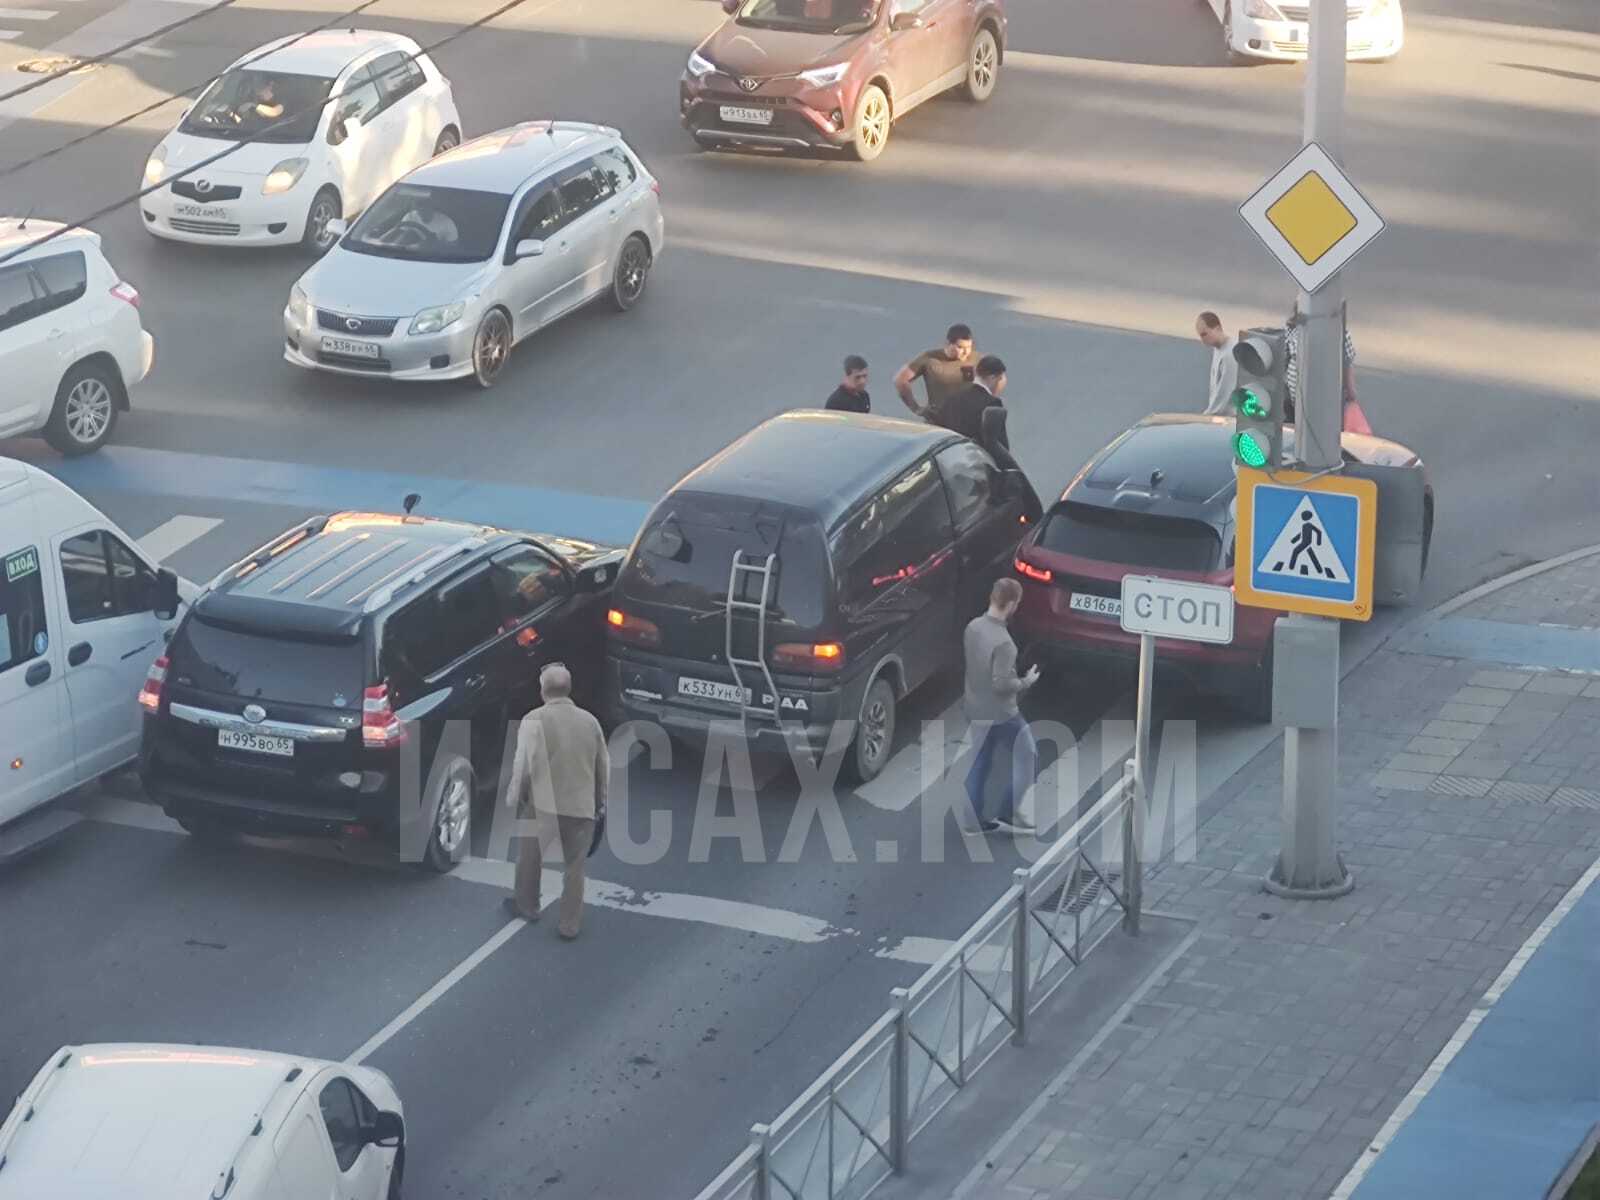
(1308, 865)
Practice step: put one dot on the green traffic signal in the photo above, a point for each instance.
(1249, 450)
(1249, 404)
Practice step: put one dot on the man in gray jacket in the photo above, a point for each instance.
(992, 688)
(559, 779)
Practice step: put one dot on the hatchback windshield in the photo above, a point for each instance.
(265, 106)
(810, 16)
(431, 224)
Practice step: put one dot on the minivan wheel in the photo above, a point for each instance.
(874, 732)
(450, 838)
(633, 268)
(983, 66)
(85, 412)
(318, 238)
(491, 347)
(871, 126)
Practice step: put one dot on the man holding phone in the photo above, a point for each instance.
(992, 688)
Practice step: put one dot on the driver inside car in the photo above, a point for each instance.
(266, 105)
(440, 228)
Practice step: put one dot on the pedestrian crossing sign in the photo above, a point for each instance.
(1307, 543)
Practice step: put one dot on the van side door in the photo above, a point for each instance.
(894, 561)
(109, 637)
(36, 753)
(988, 523)
(303, 1165)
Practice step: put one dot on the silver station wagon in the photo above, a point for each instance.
(468, 254)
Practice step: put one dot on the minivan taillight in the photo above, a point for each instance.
(380, 728)
(1028, 571)
(154, 680)
(126, 292)
(808, 656)
(630, 628)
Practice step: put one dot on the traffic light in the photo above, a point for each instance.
(1260, 397)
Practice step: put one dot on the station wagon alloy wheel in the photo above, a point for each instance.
(491, 348)
(89, 406)
(633, 266)
(85, 411)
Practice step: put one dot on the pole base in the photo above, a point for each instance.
(1331, 890)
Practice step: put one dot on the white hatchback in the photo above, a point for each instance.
(323, 124)
(71, 342)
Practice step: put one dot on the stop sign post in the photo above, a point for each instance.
(1171, 608)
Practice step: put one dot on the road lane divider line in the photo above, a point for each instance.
(166, 539)
(432, 996)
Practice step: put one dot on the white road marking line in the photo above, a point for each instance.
(165, 540)
(28, 14)
(1463, 1034)
(900, 784)
(431, 997)
(7, 35)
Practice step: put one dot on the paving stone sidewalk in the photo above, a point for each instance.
(1263, 1062)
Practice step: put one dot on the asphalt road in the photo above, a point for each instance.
(1077, 222)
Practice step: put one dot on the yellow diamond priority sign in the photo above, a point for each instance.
(1311, 217)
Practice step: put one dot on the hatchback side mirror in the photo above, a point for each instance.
(906, 20)
(166, 595)
(528, 248)
(337, 227)
(388, 1129)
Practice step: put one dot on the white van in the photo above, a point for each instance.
(154, 1122)
(83, 614)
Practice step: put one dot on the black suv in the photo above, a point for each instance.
(304, 676)
(817, 570)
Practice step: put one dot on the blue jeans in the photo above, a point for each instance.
(1014, 734)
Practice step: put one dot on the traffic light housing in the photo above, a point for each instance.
(1260, 398)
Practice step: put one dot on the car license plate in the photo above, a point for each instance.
(1100, 606)
(204, 211)
(255, 743)
(706, 689)
(746, 116)
(353, 349)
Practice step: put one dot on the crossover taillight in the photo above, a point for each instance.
(1028, 571)
(126, 292)
(380, 727)
(155, 679)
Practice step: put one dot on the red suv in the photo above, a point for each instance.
(793, 74)
(1159, 500)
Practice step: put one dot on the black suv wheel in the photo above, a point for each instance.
(450, 802)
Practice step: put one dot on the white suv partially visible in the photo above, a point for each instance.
(71, 343)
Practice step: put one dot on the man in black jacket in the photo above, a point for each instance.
(851, 395)
(963, 412)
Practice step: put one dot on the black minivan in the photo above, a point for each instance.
(356, 676)
(815, 571)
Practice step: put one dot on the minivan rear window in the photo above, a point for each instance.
(683, 557)
(324, 673)
(1136, 538)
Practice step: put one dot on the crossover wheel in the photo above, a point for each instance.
(85, 411)
(983, 67)
(874, 732)
(633, 268)
(325, 207)
(450, 839)
(872, 122)
(449, 139)
(491, 347)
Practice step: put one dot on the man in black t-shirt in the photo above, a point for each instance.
(851, 395)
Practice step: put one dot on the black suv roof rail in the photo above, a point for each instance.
(382, 593)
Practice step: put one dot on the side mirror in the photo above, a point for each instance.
(166, 595)
(598, 578)
(731, 6)
(388, 1129)
(528, 248)
(906, 20)
(338, 227)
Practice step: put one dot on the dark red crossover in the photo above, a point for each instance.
(1159, 500)
(796, 74)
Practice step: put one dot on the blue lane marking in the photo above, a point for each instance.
(1516, 1103)
(203, 477)
(1557, 647)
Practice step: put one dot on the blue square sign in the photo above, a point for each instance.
(1310, 543)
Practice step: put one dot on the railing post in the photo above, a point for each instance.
(760, 1138)
(1019, 961)
(1138, 792)
(900, 1080)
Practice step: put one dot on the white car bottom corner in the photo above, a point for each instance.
(247, 221)
(402, 357)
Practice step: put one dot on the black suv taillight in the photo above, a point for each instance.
(154, 681)
(380, 727)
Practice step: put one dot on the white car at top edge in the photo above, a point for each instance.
(326, 122)
(1281, 31)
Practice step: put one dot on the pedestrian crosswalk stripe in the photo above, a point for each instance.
(166, 539)
(1303, 549)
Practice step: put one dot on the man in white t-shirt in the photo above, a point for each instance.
(1224, 377)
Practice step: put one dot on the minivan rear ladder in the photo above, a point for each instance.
(763, 572)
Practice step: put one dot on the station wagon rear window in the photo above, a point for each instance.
(1135, 538)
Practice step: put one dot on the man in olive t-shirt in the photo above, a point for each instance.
(943, 372)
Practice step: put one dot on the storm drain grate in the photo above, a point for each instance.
(1085, 893)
